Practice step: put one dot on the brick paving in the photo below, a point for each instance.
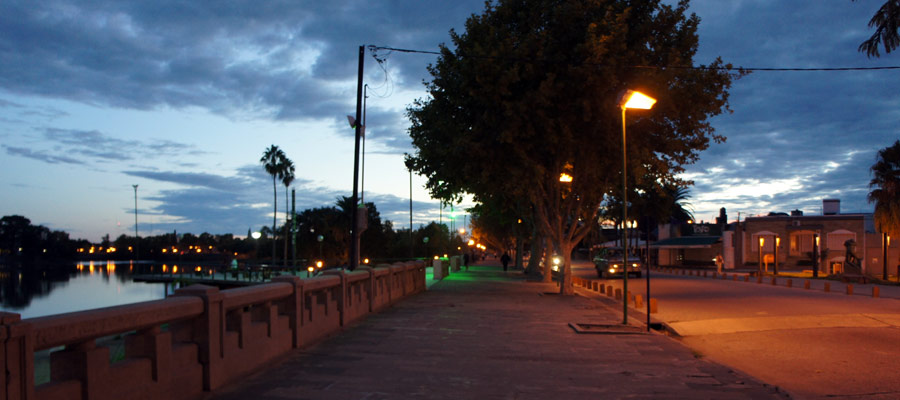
(486, 334)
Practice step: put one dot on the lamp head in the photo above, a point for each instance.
(636, 100)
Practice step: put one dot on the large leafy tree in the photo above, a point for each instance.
(492, 225)
(271, 161)
(530, 90)
(886, 22)
(886, 189)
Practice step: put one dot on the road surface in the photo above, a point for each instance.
(811, 343)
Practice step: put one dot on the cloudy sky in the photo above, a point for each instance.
(182, 98)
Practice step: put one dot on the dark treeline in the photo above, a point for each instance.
(320, 234)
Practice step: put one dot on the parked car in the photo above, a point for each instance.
(610, 265)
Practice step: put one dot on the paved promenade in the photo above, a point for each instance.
(484, 334)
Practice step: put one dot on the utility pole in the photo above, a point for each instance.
(137, 239)
(354, 230)
(293, 228)
(411, 243)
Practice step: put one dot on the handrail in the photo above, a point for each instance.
(75, 327)
(234, 298)
(321, 282)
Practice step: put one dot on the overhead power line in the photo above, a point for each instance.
(765, 69)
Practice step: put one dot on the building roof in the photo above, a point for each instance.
(687, 242)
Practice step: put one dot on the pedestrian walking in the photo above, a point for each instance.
(719, 262)
(504, 259)
(466, 261)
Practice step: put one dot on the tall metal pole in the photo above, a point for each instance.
(815, 255)
(884, 245)
(777, 242)
(411, 242)
(362, 189)
(647, 244)
(625, 225)
(137, 240)
(293, 227)
(354, 231)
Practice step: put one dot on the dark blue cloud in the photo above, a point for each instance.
(63, 145)
(40, 156)
(220, 204)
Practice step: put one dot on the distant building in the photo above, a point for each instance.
(792, 234)
(692, 244)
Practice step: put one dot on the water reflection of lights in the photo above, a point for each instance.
(174, 269)
(110, 267)
(165, 267)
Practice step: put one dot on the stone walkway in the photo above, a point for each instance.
(484, 334)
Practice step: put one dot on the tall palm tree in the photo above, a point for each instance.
(886, 22)
(287, 176)
(886, 189)
(271, 161)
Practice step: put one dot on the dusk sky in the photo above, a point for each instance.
(182, 98)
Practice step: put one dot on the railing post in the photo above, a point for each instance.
(17, 355)
(84, 362)
(344, 295)
(208, 332)
(371, 285)
(156, 345)
(294, 307)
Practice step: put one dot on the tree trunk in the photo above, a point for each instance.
(520, 248)
(548, 262)
(565, 283)
(537, 251)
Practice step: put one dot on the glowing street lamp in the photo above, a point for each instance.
(777, 243)
(634, 100)
(762, 242)
(815, 255)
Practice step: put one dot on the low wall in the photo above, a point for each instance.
(197, 340)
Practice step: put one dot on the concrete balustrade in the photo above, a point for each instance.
(195, 341)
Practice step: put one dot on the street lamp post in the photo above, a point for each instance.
(636, 100)
(815, 255)
(762, 242)
(777, 243)
(411, 244)
(319, 239)
(137, 240)
(647, 258)
(256, 235)
(885, 243)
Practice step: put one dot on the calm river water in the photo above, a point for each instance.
(75, 287)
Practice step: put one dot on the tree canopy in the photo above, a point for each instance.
(886, 189)
(530, 90)
(886, 22)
